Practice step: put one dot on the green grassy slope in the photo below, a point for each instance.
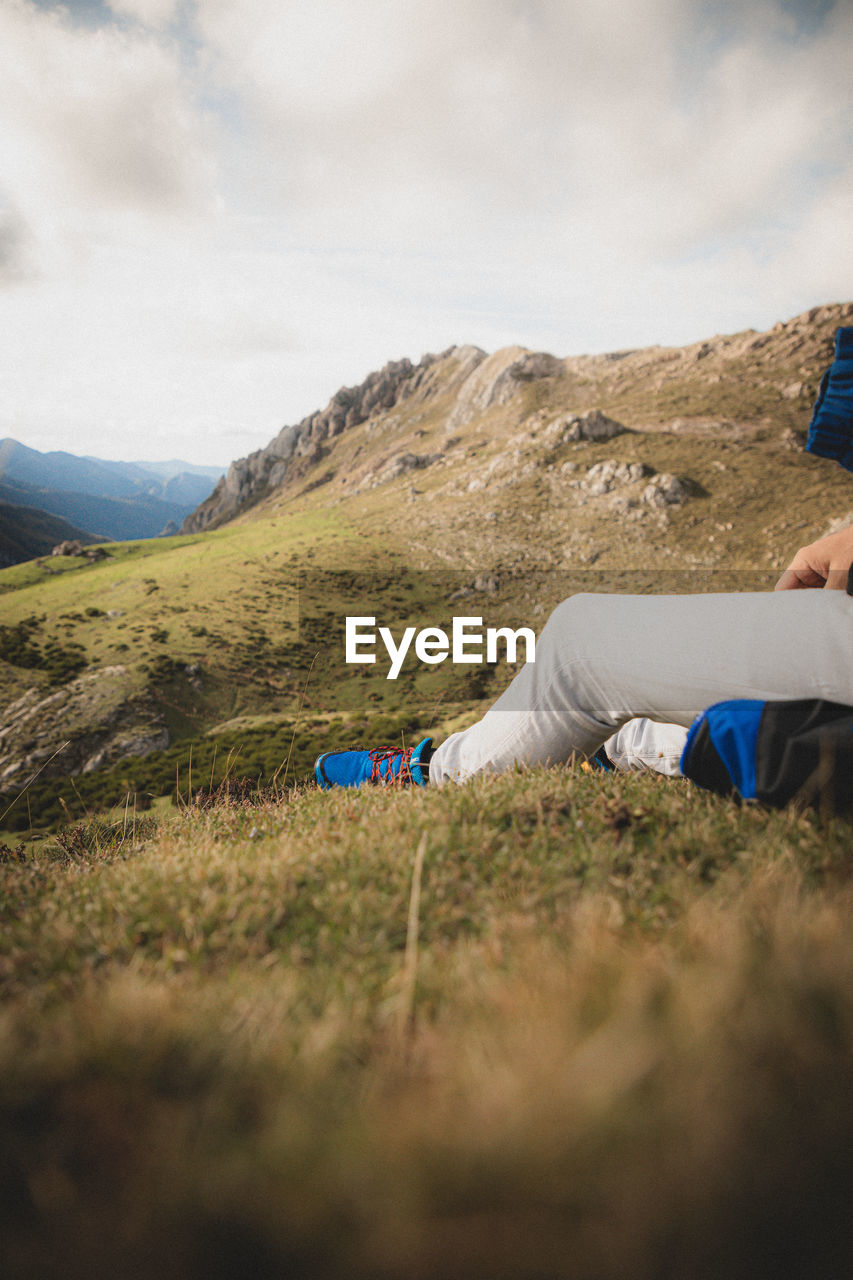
(231, 639)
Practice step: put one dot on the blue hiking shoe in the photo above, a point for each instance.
(394, 767)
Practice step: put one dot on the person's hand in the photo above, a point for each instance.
(824, 563)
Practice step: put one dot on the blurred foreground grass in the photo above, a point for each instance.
(611, 1036)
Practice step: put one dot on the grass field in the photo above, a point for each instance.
(553, 1024)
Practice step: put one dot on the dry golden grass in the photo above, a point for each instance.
(621, 1046)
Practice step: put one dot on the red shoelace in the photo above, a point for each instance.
(389, 779)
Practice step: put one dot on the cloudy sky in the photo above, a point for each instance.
(213, 213)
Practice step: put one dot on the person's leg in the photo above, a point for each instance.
(603, 660)
(647, 745)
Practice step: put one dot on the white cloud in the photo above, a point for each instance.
(589, 131)
(215, 231)
(96, 125)
(151, 13)
(15, 247)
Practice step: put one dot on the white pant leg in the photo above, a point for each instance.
(603, 660)
(644, 744)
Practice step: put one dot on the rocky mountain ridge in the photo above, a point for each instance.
(728, 386)
(296, 447)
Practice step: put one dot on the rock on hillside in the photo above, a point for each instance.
(726, 386)
(88, 723)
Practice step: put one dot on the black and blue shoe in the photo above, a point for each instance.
(393, 767)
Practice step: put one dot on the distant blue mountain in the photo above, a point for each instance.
(115, 500)
(165, 470)
(26, 533)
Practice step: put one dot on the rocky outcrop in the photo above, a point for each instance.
(665, 490)
(89, 723)
(400, 465)
(606, 475)
(660, 489)
(73, 547)
(593, 425)
(496, 379)
(249, 479)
